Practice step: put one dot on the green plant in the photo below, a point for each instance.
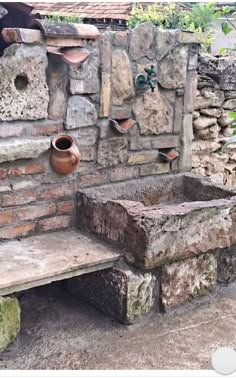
(60, 18)
(170, 16)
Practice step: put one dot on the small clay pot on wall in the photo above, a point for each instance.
(65, 155)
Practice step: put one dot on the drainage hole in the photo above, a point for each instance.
(21, 82)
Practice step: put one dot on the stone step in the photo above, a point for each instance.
(43, 259)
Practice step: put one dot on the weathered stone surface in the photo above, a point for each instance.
(120, 113)
(190, 91)
(205, 146)
(153, 113)
(124, 173)
(203, 122)
(121, 292)
(227, 132)
(23, 86)
(85, 136)
(196, 115)
(230, 104)
(27, 148)
(57, 82)
(186, 142)
(20, 35)
(208, 133)
(143, 157)
(141, 43)
(210, 98)
(226, 265)
(212, 112)
(165, 41)
(225, 120)
(106, 50)
(9, 321)
(230, 94)
(183, 281)
(134, 216)
(166, 141)
(171, 71)
(80, 112)
(84, 80)
(112, 152)
(154, 169)
(122, 79)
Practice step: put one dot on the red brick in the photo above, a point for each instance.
(58, 191)
(11, 232)
(29, 169)
(6, 216)
(65, 207)
(36, 211)
(47, 128)
(2, 173)
(17, 198)
(55, 223)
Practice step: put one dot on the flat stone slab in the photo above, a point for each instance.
(42, 259)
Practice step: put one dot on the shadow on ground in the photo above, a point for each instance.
(59, 332)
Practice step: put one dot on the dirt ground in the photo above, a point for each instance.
(60, 332)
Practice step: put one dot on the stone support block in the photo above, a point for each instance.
(122, 292)
(186, 142)
(185, 280)
(9, 321)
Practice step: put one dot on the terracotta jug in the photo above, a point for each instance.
(65, 154)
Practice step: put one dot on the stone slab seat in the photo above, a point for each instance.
(42, 259)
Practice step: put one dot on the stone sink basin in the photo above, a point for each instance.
(161, 219)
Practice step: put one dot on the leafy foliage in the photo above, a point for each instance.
(170, 16)
(76, 19)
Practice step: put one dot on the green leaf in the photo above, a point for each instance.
(232, 115)
(222, 51)
(217, 14)
(226, 9)
(234, 132)
(225, 28)
(230, 141)
(233, 126)
(234, 169)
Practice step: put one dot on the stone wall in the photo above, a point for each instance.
(216, 97)
(42, 95)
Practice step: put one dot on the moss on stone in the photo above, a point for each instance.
(9, 321)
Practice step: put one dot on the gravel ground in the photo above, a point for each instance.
(60, 332)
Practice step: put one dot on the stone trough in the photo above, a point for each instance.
(171, 227)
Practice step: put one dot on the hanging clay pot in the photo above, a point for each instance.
(65, 154)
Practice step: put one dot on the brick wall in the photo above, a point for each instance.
(81, 102)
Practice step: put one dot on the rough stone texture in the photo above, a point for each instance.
(183, 281)
(204, 122)
(165, 41)
(23, 87)
(190, 91)
(134, 215)
(112, 153)
(212, 112)
(84, 80)
(212, 98)
(186, 142)
(226, 265)
(77, 116)
(57, 81)
(106, 51)
(142, 40)
(171, 71)
(153, 113)
(9, 321)
(122, 79)
(121, 292)
(27, 148)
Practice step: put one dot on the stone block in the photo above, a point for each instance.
(10, 318)
(229, 104)
(17, 231)
(84, 80)
(187, 37)
(23, 86)
(211, 112)
(186, 141)
(122, 78)
(204, 122)
(142, 157)
(124, 173)
(57, 83)
(120, 38)
(190, 91)
(154, 169)
(17, 198)
(172, 69)
(165, 41)
(58, 222)
(153, 113)
(23, 148)
(210, 98)
(142, 41)
(81, 112)
(85, 136)
(167, 141)
(112, 152)
(178, 114)
(122, 292)
(93, 179)
(106, 51)
(226, 265)
(183, 281)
